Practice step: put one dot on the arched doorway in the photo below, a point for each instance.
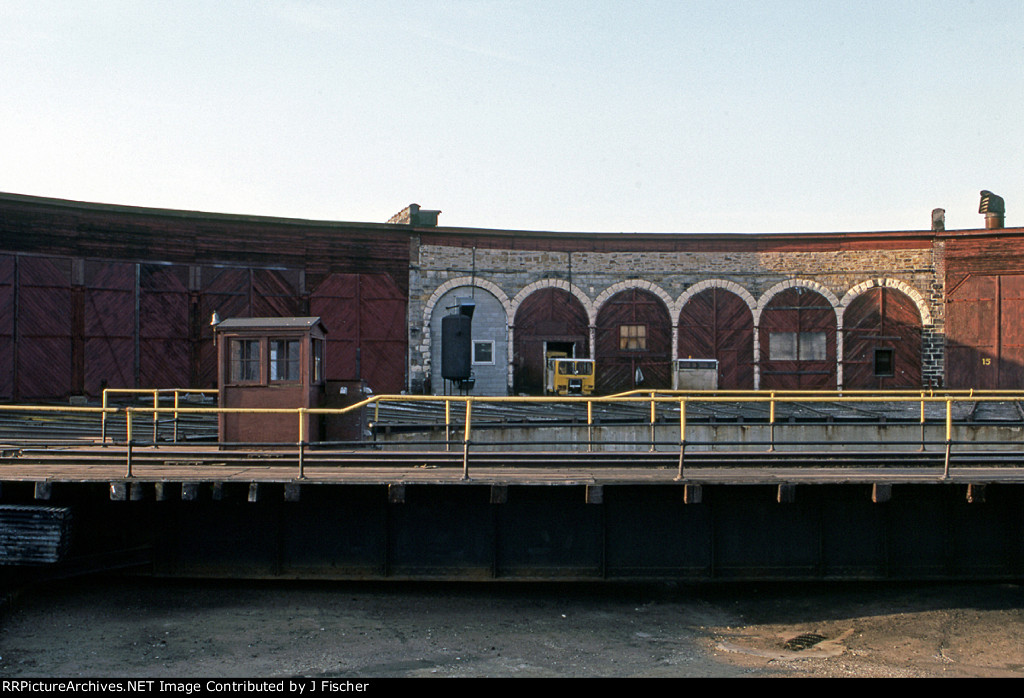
(634, 343)
(881, 341)
(798, 341)
(718, 324)
(550, 319)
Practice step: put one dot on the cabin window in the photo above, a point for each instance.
(245, 360)
(884, 363)
(284, 359)
(317, 367)
(797, 346)
(632, 337)
(483, 352)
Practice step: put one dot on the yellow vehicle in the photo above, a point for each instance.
(565, 376)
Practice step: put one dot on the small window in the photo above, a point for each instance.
(884, 363)
(284, 359)
(245, 360)
(632, 337)
(813, 346)
(317, 366)
(782, 346)
(483, 352)
(797, 346)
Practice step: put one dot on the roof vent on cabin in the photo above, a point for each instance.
(413, 215)
(994, 209)
(938, 219)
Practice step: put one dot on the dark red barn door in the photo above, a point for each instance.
(718, 324)
(882, 341)
(634, 343)
(545, 316)
(798, 342)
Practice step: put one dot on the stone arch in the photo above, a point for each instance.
(882, 336)
(575, 290)
(906, 289)
(643, 358)
(490, 324)
(799, 337)
(715, 320)
(778, 288)
(652, 288)
(702, 286)
(469, 282)
(549, 318)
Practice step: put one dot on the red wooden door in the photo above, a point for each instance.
(984, 333)
(879, 323)
(618, 365)
(7, 275)
(718, 324)
(109, 323)
(798, 342)
(164, 339)
(547, 315)
(44, 328)
(365, 312)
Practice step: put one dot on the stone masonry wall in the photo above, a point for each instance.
(509, 273)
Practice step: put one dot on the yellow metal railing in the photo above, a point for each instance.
(677, 399)
(156, 393)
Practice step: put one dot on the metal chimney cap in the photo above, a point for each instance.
(991, 203)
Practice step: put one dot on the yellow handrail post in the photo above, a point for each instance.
(465, 442)
(128, 433)
(949, 436)
(682, 437)
(922, 421)
(156, 415)
(653, 416)
(302, 442)
(103, 420)
(590, 425)
(175, 436)
(771, 422)
(447, 425)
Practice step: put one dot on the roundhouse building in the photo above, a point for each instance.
(96, 295)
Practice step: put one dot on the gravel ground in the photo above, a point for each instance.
(142, 628)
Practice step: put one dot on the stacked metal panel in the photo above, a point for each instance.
(31, 535)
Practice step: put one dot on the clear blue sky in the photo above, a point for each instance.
(677, 116)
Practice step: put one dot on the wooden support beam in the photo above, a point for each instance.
(786, 494)
(218, 491)
(43, 490)
(975, 493)
(595, 494)
(396, 493)
(118, 491)
(254, 492)
(292, 491)
(135, 492)
(189, 491)
(692, 494)
(161, 491)
(881, 493)
(499, 494)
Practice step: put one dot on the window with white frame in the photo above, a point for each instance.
(483, 351)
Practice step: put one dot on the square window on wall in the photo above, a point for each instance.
(884, 363)
(483, 351)
(632, 337)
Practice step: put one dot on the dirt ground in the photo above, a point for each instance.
(139, 628)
